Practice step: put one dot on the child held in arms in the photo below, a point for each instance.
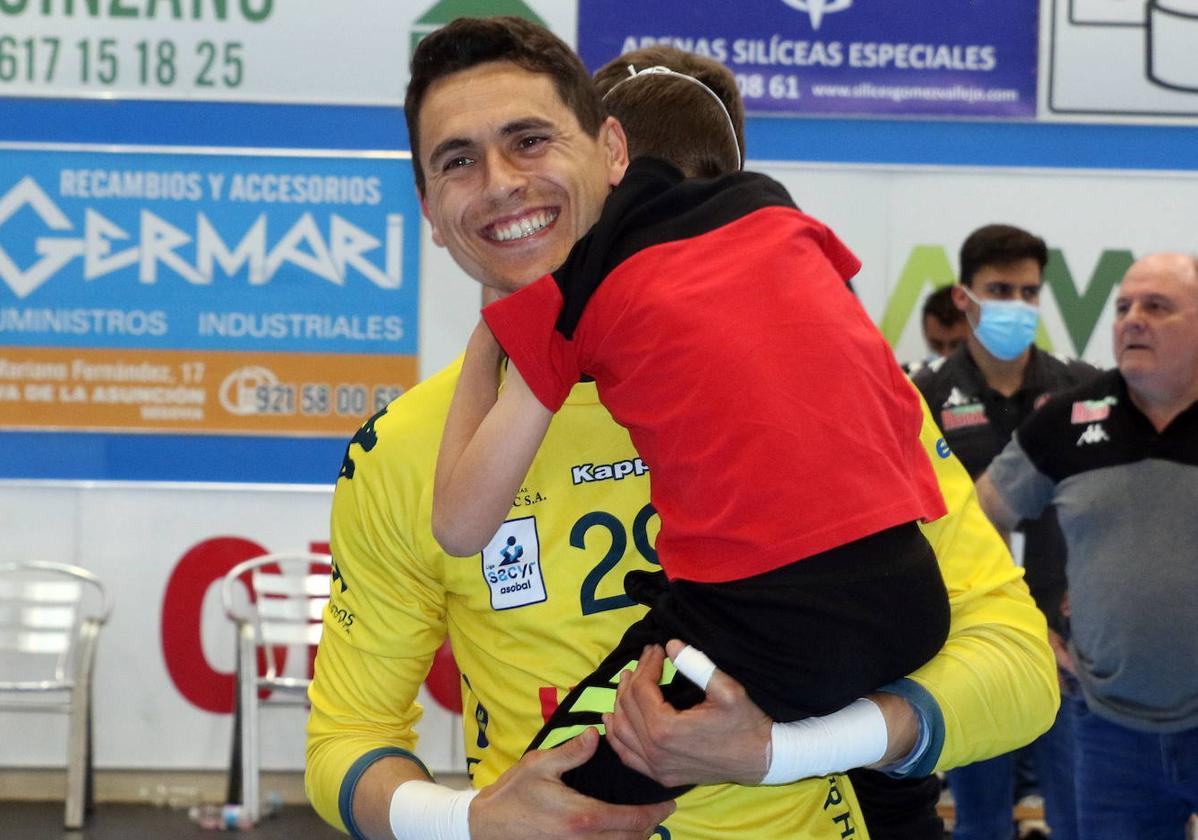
(781, 435)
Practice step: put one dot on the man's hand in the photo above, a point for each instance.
(723, 739)
(1001, 514)
(1060, 650)
(530, 801)
(1066, 669)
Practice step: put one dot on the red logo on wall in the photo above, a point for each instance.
(182, 619)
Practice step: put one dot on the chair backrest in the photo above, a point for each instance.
(282, 596)
(43, 607)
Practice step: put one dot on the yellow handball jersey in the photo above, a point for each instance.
(544, 602)
(995, 680)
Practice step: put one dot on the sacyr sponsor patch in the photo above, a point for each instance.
(511, 565)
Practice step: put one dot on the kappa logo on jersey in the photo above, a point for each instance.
(956, 398)
(617, 470)
(512, 565)
(1091, 411)
(963, 416)
(1094, 433)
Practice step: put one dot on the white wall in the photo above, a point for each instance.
(135, 537)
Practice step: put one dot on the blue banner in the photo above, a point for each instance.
(845, 57)
(313, 254)
(143, 291)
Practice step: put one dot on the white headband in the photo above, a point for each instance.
(633, 73)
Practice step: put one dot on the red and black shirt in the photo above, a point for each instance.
(716, 320)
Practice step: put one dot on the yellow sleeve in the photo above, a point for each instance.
(995, 679)
(386, 615)
(583, 520)
(353, 722)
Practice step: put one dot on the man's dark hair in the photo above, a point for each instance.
(999, 245)
(675, 119)
(468, 42)
(939, 305)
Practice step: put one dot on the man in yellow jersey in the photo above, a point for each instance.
(544, 601)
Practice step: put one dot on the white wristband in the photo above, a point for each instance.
(428, 811)
(694, 664)
(853, 737)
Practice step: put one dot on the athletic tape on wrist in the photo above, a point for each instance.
(855, 736)
(693, 664)
(428, 811)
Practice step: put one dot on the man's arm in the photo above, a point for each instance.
(990, 689)
(726, 738)
(363, 692)
(361, 728)
(374, 791)
(488, 446)
(361, 734)
(995, 506)
(528, 800)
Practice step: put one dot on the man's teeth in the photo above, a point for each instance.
(523, 228)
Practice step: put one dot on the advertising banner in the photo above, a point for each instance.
(852, 57)
(1133, 59)
(907, 225)
(352, 52)
(245, 50)
(154, 292)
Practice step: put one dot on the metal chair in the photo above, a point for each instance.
(50, 619)
(276, 601)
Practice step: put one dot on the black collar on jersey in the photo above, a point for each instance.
(1050, 437)
(1184, 426)
(1035, 373)
(655, 204)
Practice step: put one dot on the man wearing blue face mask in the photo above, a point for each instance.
(979, 394)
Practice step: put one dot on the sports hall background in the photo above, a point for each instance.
(346, 300)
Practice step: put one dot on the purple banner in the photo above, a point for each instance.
(843, 57)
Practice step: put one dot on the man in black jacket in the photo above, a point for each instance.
(979, 395)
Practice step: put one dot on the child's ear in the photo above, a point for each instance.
(615, 147)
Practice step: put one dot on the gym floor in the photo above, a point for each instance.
(120, 821)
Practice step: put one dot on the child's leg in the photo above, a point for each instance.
(806, 639)
(604, 776)
(811, 637)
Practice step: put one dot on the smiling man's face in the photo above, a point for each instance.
(511, 179)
